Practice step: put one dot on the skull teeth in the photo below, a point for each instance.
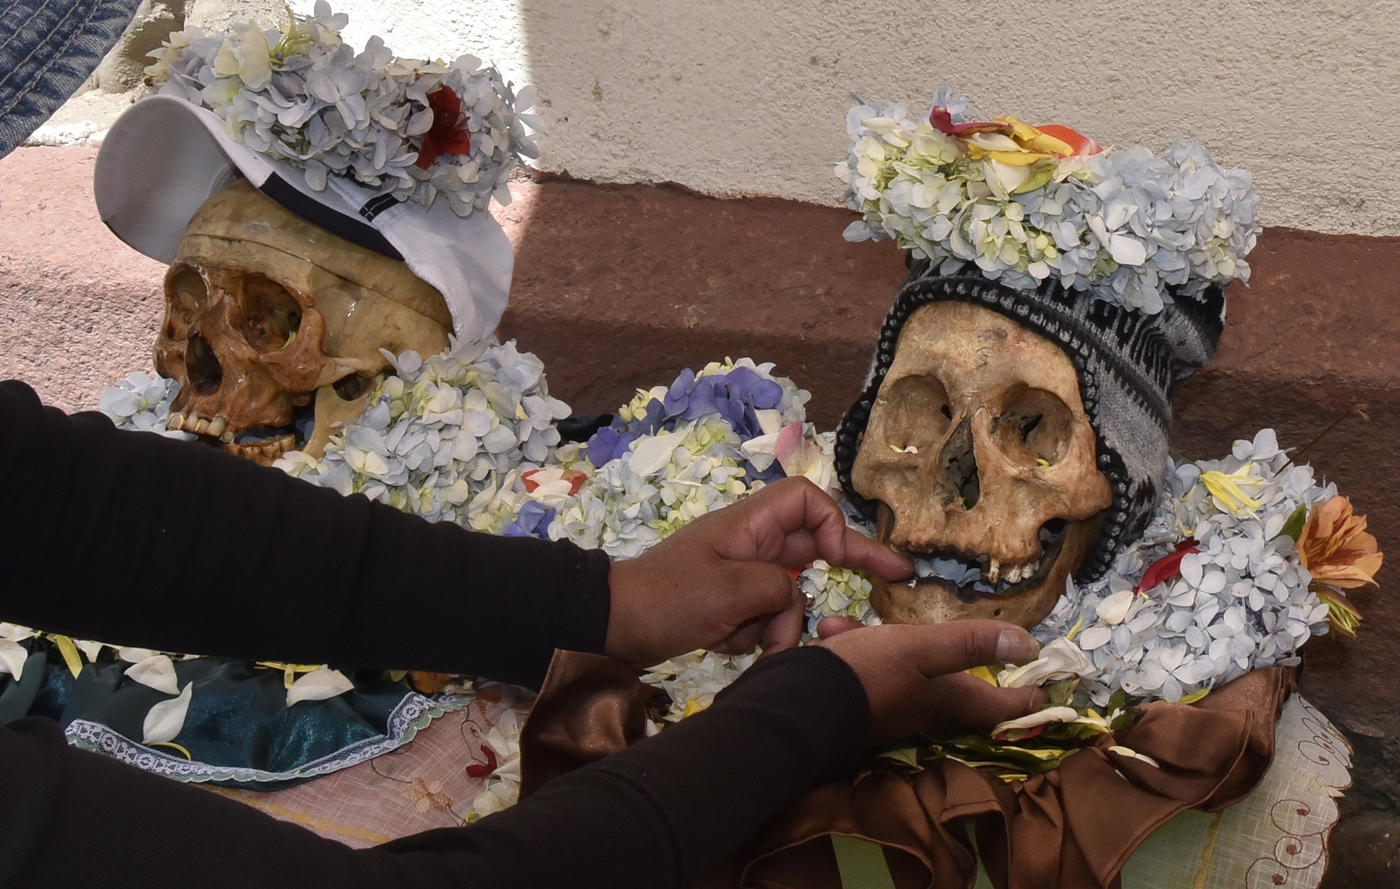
(263, 451)
(994, 571)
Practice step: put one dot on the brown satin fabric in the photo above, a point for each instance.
(1069, 829)
(590, 706)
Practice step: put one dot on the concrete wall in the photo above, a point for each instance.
(736, 97)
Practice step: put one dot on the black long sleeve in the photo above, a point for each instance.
(133, 539)
(657, 815)
(125, 537)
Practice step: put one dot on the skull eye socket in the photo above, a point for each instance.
(1034, 424)
(187, 292)
(914, 412)
(271, 315)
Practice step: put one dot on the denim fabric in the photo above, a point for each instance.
(47, 49)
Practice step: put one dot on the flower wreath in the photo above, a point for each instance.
(1025, 204)
(411, 128)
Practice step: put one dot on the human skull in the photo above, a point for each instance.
(271, 321)
(982, 463)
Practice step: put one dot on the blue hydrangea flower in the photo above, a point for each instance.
(532, 521)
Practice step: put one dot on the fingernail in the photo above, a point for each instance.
(1015, 646)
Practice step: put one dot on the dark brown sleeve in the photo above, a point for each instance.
(134, 539)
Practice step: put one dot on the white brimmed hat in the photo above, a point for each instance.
(164, 157)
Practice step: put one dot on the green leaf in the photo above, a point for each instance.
(1117, 701)
(1294, 526)
(1061, 692)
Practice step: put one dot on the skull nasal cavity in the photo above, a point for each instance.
(205, 372)
(960, 465)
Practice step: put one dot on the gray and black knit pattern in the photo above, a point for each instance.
(1129, 364)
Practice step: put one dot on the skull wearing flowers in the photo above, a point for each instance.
(273, 326)
(982, 462)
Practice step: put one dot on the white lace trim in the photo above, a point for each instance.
(414, 712)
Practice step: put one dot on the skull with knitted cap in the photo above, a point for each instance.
(1012, 433)
(303, 241)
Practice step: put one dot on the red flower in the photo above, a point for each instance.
(943, 122)
(1166, 567)
(448, 134)
(483, 769)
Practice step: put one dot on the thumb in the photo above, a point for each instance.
(959, 645)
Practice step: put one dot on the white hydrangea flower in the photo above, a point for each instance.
(1241, 600)
(303, 97)
(1122, 224)
(142, 403)
(439, 434)
(692, 681)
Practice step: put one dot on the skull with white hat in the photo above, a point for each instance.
(305, 233)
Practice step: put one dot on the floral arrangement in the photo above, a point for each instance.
(1244, 560)
(409, 128)
(437, 437)
(1028, 204)
(1219, 584)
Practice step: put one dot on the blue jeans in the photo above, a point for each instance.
(48, 48)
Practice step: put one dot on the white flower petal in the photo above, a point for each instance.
(1127, 251)
(1042, 717)
(165, 720)
(1129, 752)
(318, 685)
(12, 658)
(1058, 660)
(653, 454)
(156, 672)
(1114, 609)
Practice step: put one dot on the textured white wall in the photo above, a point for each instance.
(739, 97)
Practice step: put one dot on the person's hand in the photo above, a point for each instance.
(721, 582)
(913, 676)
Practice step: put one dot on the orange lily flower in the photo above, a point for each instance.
(1335, 547)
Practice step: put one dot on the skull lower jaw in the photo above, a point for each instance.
(925, 600)
(262, 445)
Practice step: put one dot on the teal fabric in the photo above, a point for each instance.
(238, 729)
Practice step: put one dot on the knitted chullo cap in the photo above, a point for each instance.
(1128, 363)
(1119, 257)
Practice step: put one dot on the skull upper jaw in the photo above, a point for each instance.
(978, 449)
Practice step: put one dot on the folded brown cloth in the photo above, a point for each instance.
(1073, 827)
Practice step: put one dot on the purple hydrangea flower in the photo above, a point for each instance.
(735, 397)
(532, 521)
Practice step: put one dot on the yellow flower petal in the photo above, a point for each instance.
(1227, 489)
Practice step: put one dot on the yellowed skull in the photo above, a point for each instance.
(982, 461)
(268, 317)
